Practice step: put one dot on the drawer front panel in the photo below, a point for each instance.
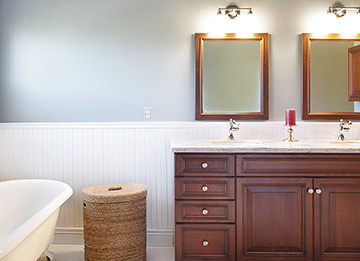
(202, 242)
(204, 188)
(205, 211)
(291, 164)
(204, 165)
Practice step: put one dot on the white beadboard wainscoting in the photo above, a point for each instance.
(86, 154)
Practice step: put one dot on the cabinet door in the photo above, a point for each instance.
(337, 219)
(274, 219)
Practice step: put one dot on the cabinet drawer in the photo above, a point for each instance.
(295, 164)
(205, 211)
(204, 188)
(202, 242)
(204, 165)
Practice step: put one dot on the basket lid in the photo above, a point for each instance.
(113, 193)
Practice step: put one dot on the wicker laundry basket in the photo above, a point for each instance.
(115, 221)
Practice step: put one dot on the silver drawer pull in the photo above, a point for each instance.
(318, 191)
(204, 165)
(311, 191)
(205, 211)
(205, 243)
(204, 188)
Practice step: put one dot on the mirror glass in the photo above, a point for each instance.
(233, 66)
(325, 78)
(231, 80)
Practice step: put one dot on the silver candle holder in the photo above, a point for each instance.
(290, 138)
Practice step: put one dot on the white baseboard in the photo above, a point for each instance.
(71, 236)
(160, 237)
(75, 236)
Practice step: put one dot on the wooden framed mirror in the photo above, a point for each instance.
(325, 77)
(231, 77)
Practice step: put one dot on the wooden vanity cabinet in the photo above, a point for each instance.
(287, 207)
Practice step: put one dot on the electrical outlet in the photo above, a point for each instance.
(147, 116)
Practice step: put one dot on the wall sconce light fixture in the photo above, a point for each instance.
(232, 11)
(339, 10)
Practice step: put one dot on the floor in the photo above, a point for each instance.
(76, 253)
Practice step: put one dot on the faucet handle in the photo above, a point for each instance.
(345, 125)
(234, 125)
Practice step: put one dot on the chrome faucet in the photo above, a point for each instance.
(233, 126)
(344, 127)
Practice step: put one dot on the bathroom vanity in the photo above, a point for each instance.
(267, 200)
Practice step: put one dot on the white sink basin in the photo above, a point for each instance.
(242, 142)
(345, 141)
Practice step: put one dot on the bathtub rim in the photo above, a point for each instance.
(17, 236)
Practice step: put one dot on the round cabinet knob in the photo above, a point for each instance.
(205, 243)
(205, 211)
(318, 191)
(204, 165)
(311, 191)
(204, 188)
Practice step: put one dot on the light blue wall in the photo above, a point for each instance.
(104, 60)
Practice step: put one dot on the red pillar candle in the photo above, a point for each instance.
(290, 117)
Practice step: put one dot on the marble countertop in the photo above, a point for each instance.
(265, 146)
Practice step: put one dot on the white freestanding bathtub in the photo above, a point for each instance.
(29, 210)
